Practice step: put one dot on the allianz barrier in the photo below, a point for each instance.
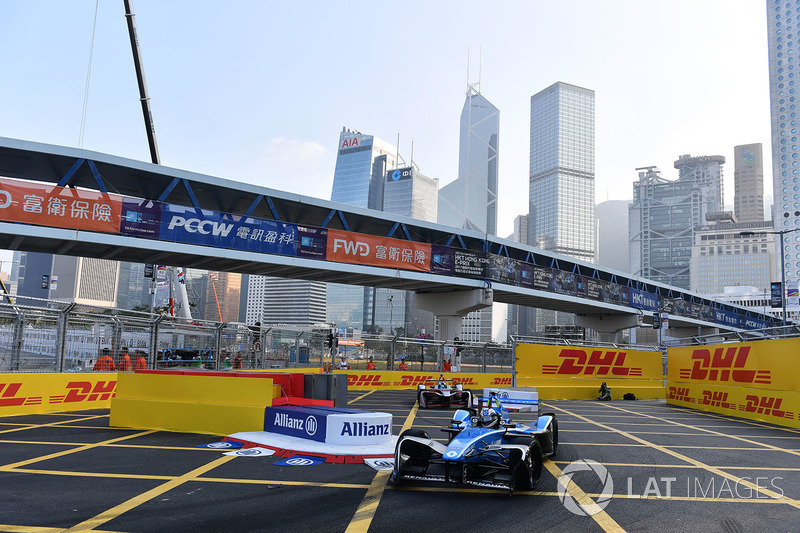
(332, 425)
(576, 372)
(755, 380)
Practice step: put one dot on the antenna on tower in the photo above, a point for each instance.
(468, 70)
(480, 66)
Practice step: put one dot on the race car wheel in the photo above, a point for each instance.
(530, 470)
(410, 455)
(413, 432)
(555, 437)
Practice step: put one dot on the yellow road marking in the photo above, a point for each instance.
(781, 497)
(585, 501)
(362, 396)
(51, 424)
(36, 529)
(363, 516)
(117, 510)
(734, 419)
(72, 450)
(359, 486)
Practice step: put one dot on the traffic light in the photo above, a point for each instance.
(329, 340)
(656, 320)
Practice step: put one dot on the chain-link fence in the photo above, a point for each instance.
(50, 336)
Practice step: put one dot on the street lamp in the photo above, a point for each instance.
(783, 264)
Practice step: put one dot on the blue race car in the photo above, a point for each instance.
(486, 449)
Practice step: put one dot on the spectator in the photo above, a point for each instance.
(448, 367)
(141, 362)
(402, 365)
(237, 361)
(124, 361)
(370, 364)
(343, 364)
(105, 363)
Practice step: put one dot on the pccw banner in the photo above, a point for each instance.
(767, 364)
(542, 360)
(48, 393)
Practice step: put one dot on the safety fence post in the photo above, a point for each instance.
(61, 336)
(16, 347)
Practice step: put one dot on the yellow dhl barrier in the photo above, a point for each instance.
(22, 394)
(776, 407)
(599, 364)
(218, 405)
(587, 389)
(399, 380)
(754, 380)
(768, 364)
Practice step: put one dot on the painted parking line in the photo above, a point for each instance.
(50, 424)
(739, 467)
(772, 494)
(363, 516)
(354, 400)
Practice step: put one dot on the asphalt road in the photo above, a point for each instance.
(661, 468)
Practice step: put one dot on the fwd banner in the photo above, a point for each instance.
(47, 393)
(399, 380)
(361, 249)
(59, 207)
(768, 364)
(541, 360)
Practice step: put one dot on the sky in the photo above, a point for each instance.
(259, 91)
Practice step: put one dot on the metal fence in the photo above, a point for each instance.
(51, 336)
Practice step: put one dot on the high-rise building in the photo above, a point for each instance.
(409, 193)
(748, 177)
(470, 201)
(292, 302)
(84, 280)
(784, 60)
(612, 234)
(561, 193)
(664, 214)
(561, 186)
(358, 179)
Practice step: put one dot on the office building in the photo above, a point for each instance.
(470, 201)
(784, 58)
(612, 234)
(292, 302)
(84, 280)
(358, 180)
(664, 214)
(723, 258)
(748, 177)
(409, 193)
(561, 192)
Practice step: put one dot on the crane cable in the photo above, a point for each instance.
(88, 78)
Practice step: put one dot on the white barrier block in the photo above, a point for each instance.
(362, 428)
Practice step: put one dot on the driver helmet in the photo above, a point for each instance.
(490, 417)
(442, 385)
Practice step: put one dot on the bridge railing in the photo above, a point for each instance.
(780, 332)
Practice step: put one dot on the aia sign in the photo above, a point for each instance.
(724, 365)
(577, 362)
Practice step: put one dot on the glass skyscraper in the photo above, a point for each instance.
(561, 193)
(361, 165)
(783, 23)
(470, 201)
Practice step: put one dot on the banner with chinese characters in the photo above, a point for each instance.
(59, 207)
(223, 230)
(361, 249)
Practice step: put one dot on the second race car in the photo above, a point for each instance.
(443, 392)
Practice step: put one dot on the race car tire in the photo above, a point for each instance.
(419, 462)
(555, 437)
(413, 432)
(529, 471)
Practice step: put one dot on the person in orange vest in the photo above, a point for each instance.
(447, 366)
(237, 361)
(370, 364)
(402, 365)
(104, 362)
(140, 363)
(124, 361)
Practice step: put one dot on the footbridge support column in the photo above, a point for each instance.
(450, 308)
(608, 325)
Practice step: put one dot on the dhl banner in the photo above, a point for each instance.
(399, 380)
(776, 407)
(767, 364)
(47, 393)
(548, 361)
(361, 249)
(60, 207)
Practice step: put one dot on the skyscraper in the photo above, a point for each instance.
(782, 26)
(470, 201)
(561, 193)
(664, 215)
(294, 302)
(748, 177)
(358, 179)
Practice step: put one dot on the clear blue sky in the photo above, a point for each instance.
(258, 91)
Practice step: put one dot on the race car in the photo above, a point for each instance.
(442, 393)
(485, 449)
